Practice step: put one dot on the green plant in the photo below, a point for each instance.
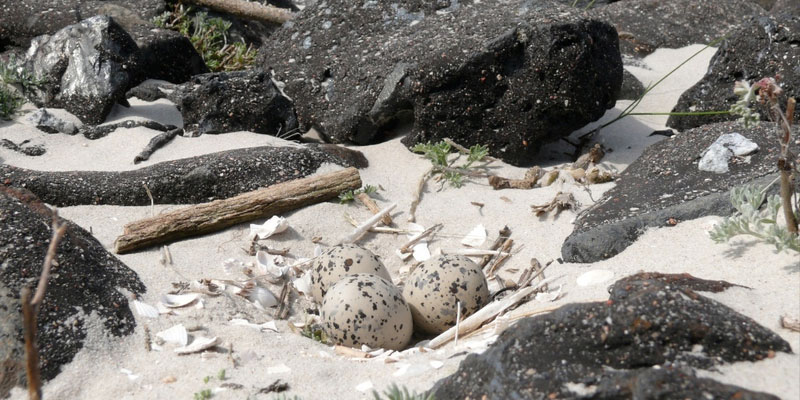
(204, 394)
(221, 374)
(350, 195)
(396, 393)
(439, 154)
(750, 220)
(314, 332)
(15, 80)
(209, 36)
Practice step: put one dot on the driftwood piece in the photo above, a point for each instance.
(220, 214)
(247, 9)
(156, 143)
(372, 206)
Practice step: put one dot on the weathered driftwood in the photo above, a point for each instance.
(247, 9)
(372, 206)
(220, 214)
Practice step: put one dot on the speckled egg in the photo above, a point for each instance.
(339, 261)
(435, 287)
(366, 309)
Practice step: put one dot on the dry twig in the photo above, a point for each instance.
(372, 206)
(247, 9)
(502, 236)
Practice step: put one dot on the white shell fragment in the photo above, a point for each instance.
(303, 284)
(179, 300)
(265, 327)
(365, 386)
(145, 310)
(476, 237)
(594, 277)
(176, 335)
(279, 369)
(129, 373)
(200, 343)
(273, 225)
(268, 264)
(262, 298)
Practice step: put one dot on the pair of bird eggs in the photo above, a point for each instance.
(360, 305)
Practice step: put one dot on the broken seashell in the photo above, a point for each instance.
(179, 300)
(176, 334)
(436, 364)
(268, 264)
(303, 284)
(145, 310)
(272, 226)
(260, 297)
(200, 343)
(365, 386)
(476, 237)
(594, 277)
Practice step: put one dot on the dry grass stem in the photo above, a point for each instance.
(372, 206)
(502, 236)
(414, 240)
(418, 195)
(364, 227)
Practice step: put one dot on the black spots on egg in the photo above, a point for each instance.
(339, 261)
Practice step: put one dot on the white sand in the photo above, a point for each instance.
(315, 370)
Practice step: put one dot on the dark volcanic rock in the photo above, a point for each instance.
(87, 68)
(22, 20)
(646, 25)
(632, 88)
(663, 183)
(12, 351)
(185, 181)
(166, 55)
(510, 75)
(86, 279)
(765, 47)
(234, 101)
(47, 122)
(608, 349)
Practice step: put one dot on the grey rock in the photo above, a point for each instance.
(12, 351)
(87, 279)
(47, 122)
(507, 74)
(24, 147)
(22, 20)
(87, 68)
(609, 349)
(763, 47)
(646, 25)
(665, 184)
(185, 181)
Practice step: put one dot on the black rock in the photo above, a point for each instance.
(764, 47)
(608, 349)
(86, 279)
(166, 55)
(234, 101)
(665, 183)
(22, 20)
(510, 75)
(87, 68)
(646, 25)
(185, 181)
(632, 88)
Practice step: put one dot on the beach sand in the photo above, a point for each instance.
(314, 370)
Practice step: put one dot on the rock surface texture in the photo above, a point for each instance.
(185, 181)
(765, 47)
(83, 284)
(87, 68)
(510, 75)
(641, 344)
(646, 25)
(166, 55)
(664, 184)
(21, 21)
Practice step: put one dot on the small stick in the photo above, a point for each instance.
(350, 352)
(249, 10)
(458, 321)
(367, 201)
(59, 229)
(418, 195)
(465, 150)
(374, 229)
(156, 143)
(31, 350)
(484, 315)
(791, 324)
(501, 258)
(150, 196)
(148, 341)
(283, 309)
(540, 273)
(504, 233)
(364, 227)
(414, 240)
(473, 252)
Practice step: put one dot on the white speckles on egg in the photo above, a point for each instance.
(342, 260)
(435, 287)
(366, 309)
